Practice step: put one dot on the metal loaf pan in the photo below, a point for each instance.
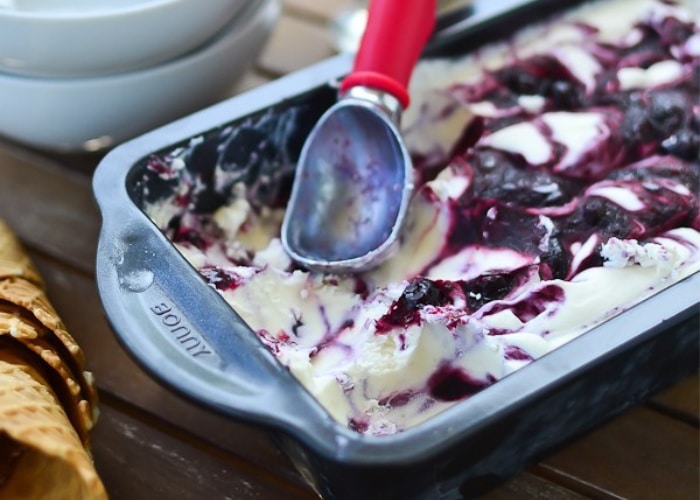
(181, 331)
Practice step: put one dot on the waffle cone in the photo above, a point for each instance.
(24, 301)
(60, 377)
(27, 295)
(42, 456)
(14, 261)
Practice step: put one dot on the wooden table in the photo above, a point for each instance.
(150, 444)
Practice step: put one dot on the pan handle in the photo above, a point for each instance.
(185, 335)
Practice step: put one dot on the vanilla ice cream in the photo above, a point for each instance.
(558, 178)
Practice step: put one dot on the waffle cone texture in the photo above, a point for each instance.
(48, 402)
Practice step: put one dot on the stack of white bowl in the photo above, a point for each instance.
(83, 75)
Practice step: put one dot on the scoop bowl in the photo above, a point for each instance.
(352, 186)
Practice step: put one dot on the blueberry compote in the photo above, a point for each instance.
(597, 139)
(561, 166)
(418, 294)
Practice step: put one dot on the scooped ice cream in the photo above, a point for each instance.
(559, 179)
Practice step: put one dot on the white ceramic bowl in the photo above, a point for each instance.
(94, 113)
(98, 37)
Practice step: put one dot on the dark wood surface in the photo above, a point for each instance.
(151, 444)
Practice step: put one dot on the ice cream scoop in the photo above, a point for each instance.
(354, 177)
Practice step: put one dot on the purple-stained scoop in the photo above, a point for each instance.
(352, 186)
(354, 176)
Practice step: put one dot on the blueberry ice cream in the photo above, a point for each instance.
(558, 180)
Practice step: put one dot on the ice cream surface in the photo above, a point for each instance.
(558, 178)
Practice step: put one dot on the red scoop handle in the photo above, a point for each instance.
(396, 32)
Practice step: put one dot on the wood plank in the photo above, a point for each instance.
(50, 208)
(528, 486)
(138, 461)
(637, 455)
(295, 44)
(683, 399)
(250, 81)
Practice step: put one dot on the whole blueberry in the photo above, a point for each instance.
(520, 81)
(666, 113)
(594, 211)
(487, 288)
(564, 94)
(422, 292)
(636, 128)
(683, 144)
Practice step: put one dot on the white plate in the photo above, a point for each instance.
(75, 38)
(93, 113)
